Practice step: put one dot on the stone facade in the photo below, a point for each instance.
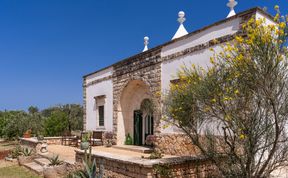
(84, 104)
(145, 67)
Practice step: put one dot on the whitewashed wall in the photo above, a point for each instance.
(269, 21)
(217, 31)
(98, 75)
(103, 88)
(198, 58)
(171, 68)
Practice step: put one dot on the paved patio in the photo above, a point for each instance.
(67, 153)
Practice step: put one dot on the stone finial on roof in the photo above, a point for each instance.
(181, 30)
(146, 42)
(231, 4)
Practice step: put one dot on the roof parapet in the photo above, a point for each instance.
(146, 42)
(231, 4)
(181, 30)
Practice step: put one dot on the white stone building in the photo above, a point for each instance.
(113, 95)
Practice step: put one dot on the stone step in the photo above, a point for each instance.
(134, 148)
(33, 166)
(42, 161)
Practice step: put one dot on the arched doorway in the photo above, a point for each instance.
(147, 109)
(131, 119)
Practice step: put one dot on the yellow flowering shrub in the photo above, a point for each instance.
(242, 94)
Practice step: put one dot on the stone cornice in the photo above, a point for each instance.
(202, 46)
(98, 81)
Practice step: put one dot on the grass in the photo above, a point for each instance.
(17, 172)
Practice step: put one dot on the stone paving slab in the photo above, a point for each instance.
(42, 161)
(37, 168)
(139, 149)
(65, 153)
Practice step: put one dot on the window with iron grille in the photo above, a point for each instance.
(101, 115)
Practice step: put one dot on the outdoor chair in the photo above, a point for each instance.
(78, 136)
(68, 139)
(96, 138)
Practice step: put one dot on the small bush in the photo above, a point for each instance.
(89, 171)
(17, 151)
(156, 155)
(27, 152)
(55, 161)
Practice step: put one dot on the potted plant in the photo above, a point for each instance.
(150, 140)
(85, 142)
(108, 137)
(40, 138)
(27, 134)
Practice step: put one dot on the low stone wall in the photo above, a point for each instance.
(4, 154)
(175, 144)
(36, 145)
(180, 167)
(29, 142)
(53, 140)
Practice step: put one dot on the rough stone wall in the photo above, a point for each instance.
(181, 167)
(84, 104)
(29, 143)
(175, 144)
(145, 67)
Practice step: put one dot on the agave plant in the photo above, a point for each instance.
(55, 161)
(27, 152)
(90, 171)
(16, 152)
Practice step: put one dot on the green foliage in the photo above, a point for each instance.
(27, 152)
(155, 155)
(237, 108)
(49, 122)
(17, 151)
(90, 168)
(33, 110)
(85, 137)
(55, 161)
(162, 170)
(147, 106)
(63, 118)
(90, 171)
(16, 124)
(3, 123)
(56, 124)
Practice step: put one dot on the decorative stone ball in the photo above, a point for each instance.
(181, 14)
(146, 38)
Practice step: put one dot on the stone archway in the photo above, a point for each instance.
(130, 101)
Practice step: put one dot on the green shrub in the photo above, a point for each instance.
(27, 152)
(90, 171)
(17, 151)
(55, 161)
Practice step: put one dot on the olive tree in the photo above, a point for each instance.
(236, 111)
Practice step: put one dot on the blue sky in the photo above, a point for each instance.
(46, 46)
